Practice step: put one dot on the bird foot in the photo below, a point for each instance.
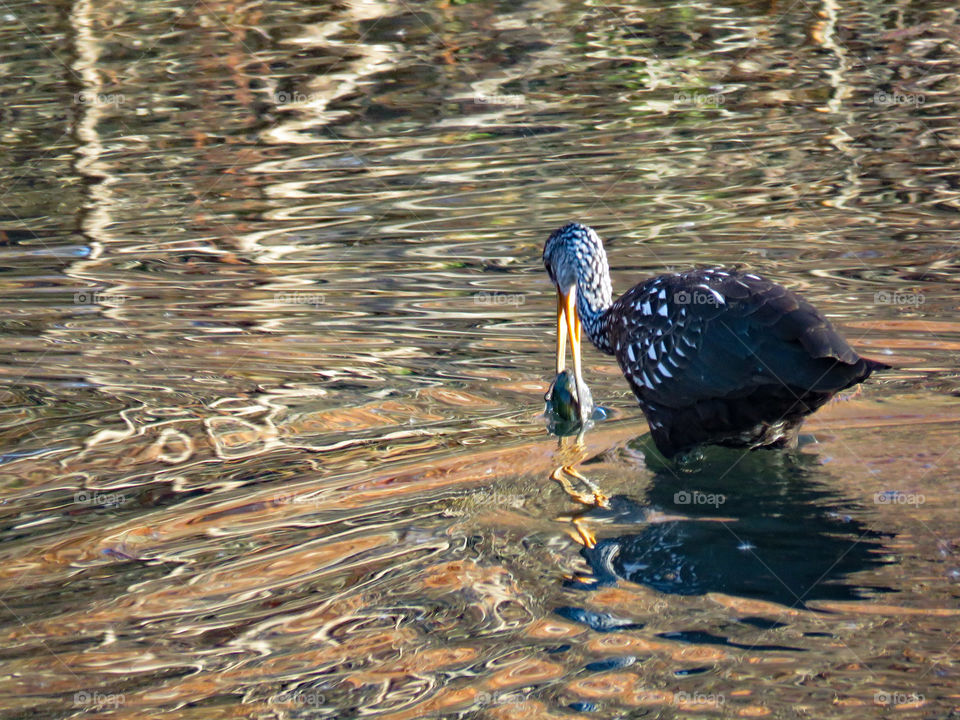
(595, 498)
(585, 536)
(846, 396)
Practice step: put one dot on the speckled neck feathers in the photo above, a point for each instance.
(574, 255)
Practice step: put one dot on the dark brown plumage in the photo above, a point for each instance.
(713, 356)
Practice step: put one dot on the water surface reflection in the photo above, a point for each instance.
(275, 331)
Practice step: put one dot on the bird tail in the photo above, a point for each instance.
(862, 369)
(874, 365)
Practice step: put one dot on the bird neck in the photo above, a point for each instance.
(594, 298)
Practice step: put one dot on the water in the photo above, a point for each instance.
(276, 336)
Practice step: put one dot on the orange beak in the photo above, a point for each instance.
(568, 325)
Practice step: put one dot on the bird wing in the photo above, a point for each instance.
(718, 333)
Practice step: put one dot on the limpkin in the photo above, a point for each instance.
(714, 356)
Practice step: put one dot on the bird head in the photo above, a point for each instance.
(576, 263)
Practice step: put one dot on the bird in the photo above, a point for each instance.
(714, 356)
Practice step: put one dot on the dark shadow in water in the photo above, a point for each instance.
(762, 525)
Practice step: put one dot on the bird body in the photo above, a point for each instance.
(714, 356)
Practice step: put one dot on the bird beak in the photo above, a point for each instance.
(568, 325)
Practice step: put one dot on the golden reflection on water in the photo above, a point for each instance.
(277, 338)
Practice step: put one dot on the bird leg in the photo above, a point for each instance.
(599, 498)
(844, 397)
(585, 536)
(595, 498)
(572, 453)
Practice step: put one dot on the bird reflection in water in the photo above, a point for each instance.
(759, 525)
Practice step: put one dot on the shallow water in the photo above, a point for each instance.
(276, 335)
